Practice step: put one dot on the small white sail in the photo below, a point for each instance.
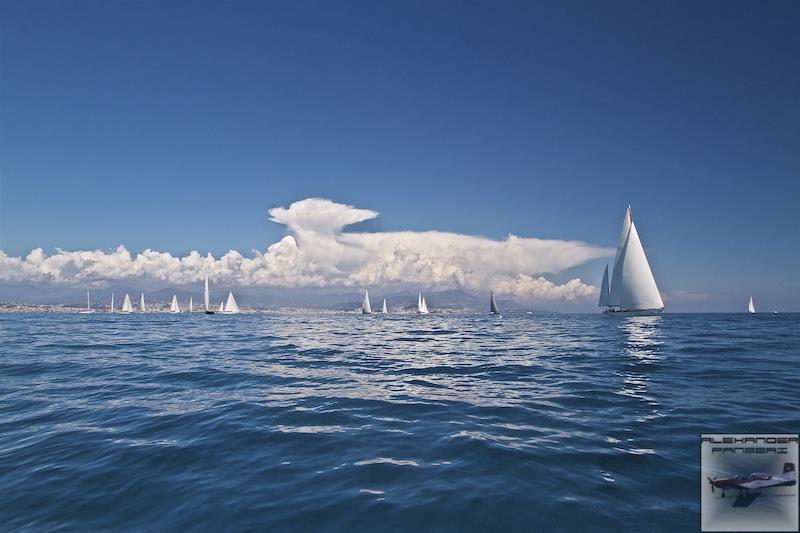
(424, 306)
(604, 289)
(221, 307)
(206, 296)
(174, 307)
(230, 306)
(384, 309)
(633, 287)
(112, 302)
(366, 308)
(142, 308)
(750, 307)
(493, 304)
(126, 305)
(191, 305)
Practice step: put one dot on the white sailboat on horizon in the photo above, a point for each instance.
(231, 308)
(112, 303)
(126, 305)
(174, 307)
(632, 288)
(207, 298)
(88, 309)
(422, 305)
(142, 307)
(750, 307)
(191, 305)
(366, 308)
(384, 309)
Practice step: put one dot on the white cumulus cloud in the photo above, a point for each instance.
(317, 252)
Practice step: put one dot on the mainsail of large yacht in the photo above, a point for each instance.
(230, 306)
(422, 305)
(493, 305)
(632, 287)
(750, 307)
(126, 305)
(384, 309)
(366, 308)
(142, 308)
(174, 307)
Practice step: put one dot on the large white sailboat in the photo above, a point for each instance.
(422, 305)
(384, 309)
(231, 308)
(207, 298)
(126, 305)
(750, 307)
(632, 289)
(142, 308)
(366, 308)
(88, 309)
(174, 307)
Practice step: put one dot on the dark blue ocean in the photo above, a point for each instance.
(337, 421)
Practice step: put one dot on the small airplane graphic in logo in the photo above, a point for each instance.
(756, 481)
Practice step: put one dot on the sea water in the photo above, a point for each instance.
(338, 421)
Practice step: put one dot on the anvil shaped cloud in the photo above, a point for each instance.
(316, 252)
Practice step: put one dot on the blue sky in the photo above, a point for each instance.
(145, 123)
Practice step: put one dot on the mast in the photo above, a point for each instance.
(88, 307)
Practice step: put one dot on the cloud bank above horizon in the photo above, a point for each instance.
(317, 253)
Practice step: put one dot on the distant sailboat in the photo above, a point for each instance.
(632, 288)
(422, 305)
(174, 307)
(126, 305)
(142, 308)
(384, 310)
(112, 303)
(750, 307)
(206, 299)
(191, 305)
(221, 307)
(88, 309)
(366, 308)
(493, 305)
(230, 306)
